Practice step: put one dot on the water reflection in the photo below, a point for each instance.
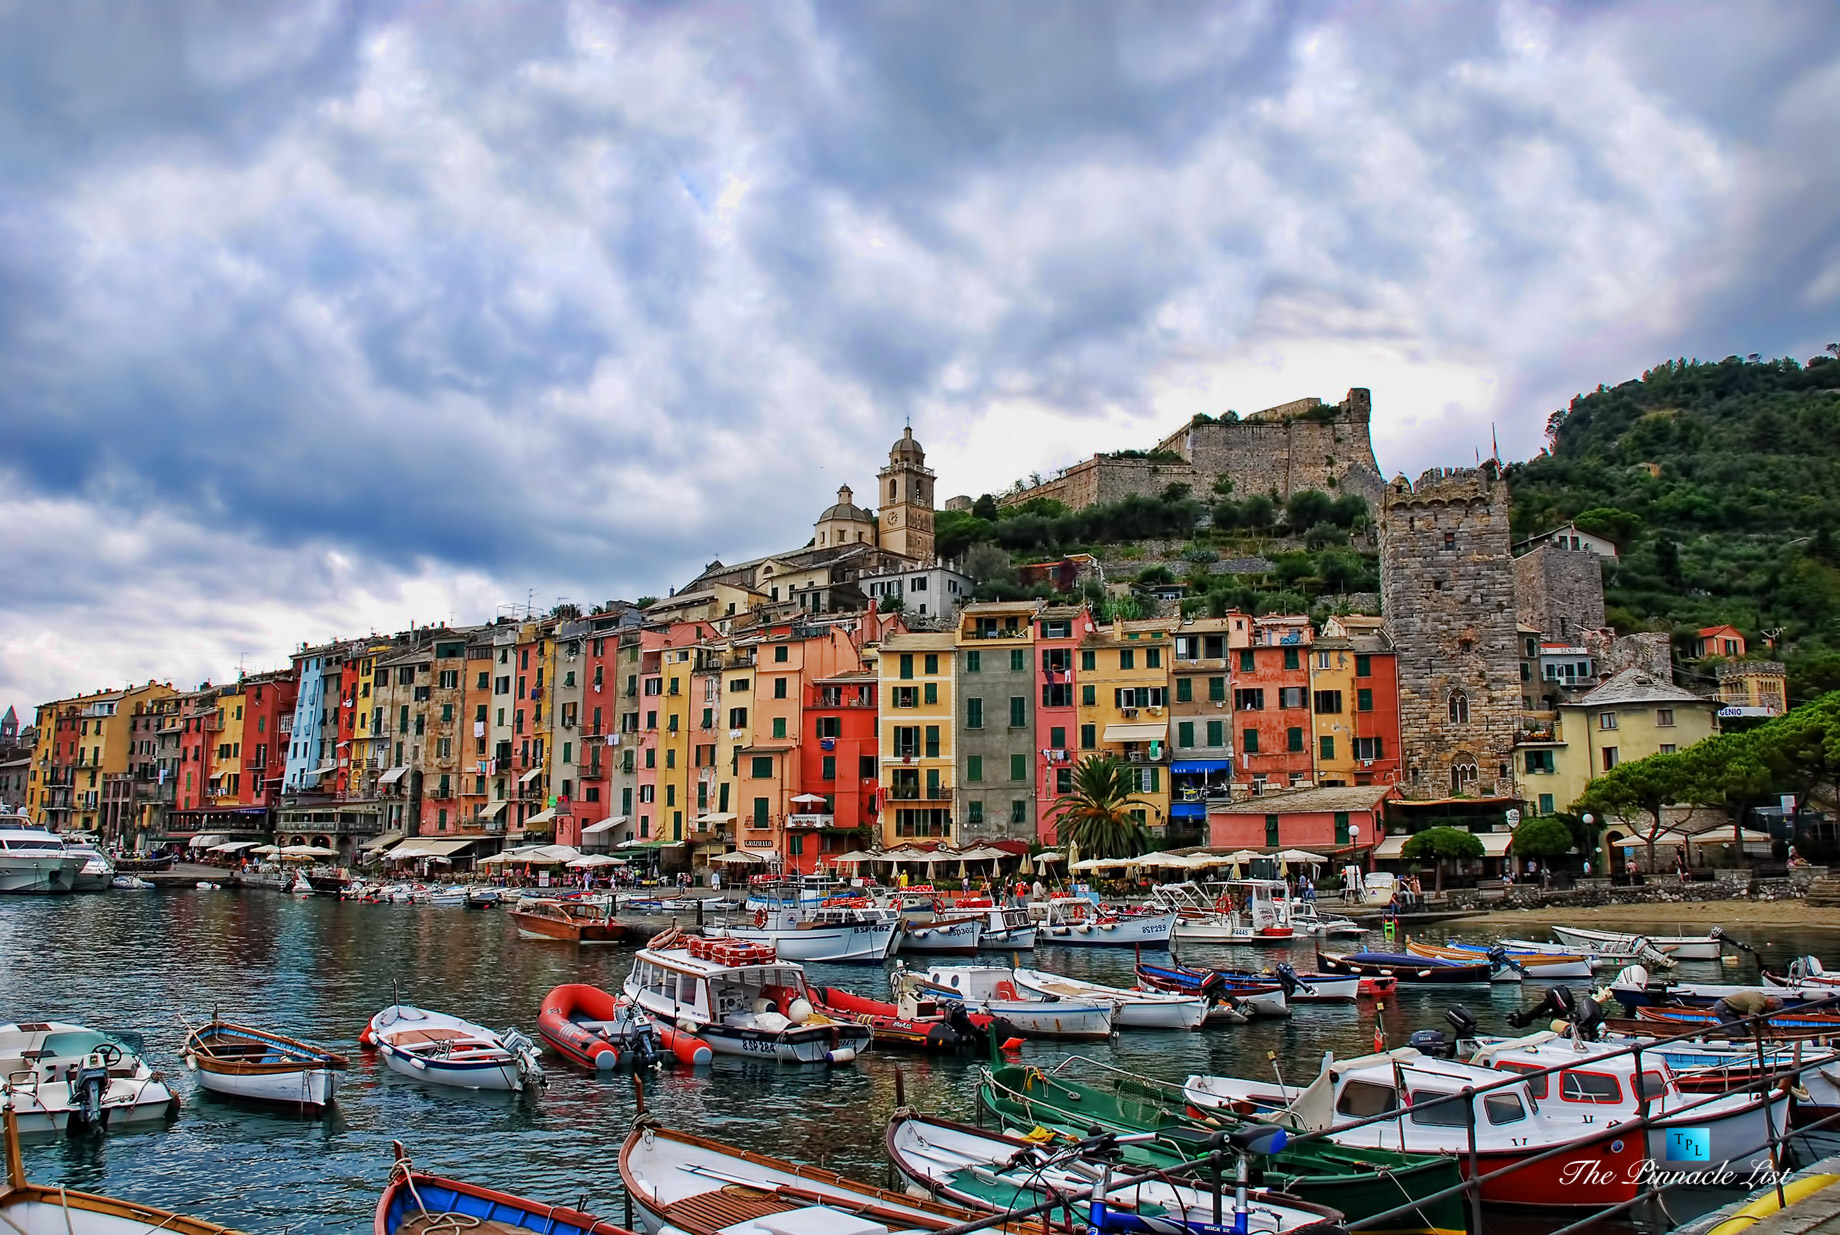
(318, 969)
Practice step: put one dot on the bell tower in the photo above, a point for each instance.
(907, 500)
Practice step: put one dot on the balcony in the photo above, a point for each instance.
(739, 658)
(914, 793)
(811, 821)
(1019, 632)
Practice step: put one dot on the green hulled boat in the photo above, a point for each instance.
(1081, 1094)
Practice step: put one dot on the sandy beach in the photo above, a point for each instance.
(1663, 919)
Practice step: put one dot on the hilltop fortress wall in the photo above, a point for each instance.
(1281, 450)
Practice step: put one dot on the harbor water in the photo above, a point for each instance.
(317, 968)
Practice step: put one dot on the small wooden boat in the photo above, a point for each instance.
(569, 921)
(445, 1050)
(938, 1026)
(1231, 991)
(1787, 1019)
(1403, 966)
(991, 990)
(242, 1062)
(417, 1203)
(27, 1208)
(1510, 967)
(1133, 1009)
(1619, 943)
(994, 1173)
(593, 1028)
(696, 1186)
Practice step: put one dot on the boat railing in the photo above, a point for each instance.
(1652, 1190)
(1653, 1184)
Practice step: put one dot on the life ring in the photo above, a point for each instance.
(760, 917)
(1224, 903)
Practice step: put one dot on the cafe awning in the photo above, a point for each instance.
(529, 776)
(542, 816)
(207, 841)
(605, 825)
(232, 846)
(492, 808)
(1157, 732)
(430, 847)
(392, 776)
(381, 842)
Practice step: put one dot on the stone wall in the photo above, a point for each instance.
(1447, 587)
(1661, 890)
(1650, 651)
(1280, 450)
(1560, 592)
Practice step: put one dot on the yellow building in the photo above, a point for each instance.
(83, 760)
(1753, 687)
(224, 749)
(1632, 716)
(676, 775)
(1123, 707)
(916, 724)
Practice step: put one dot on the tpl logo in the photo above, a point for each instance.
(1689, 1145)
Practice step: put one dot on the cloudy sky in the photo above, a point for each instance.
(318, 318)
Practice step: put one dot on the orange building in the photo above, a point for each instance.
(1271, 705)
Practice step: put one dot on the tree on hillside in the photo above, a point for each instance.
(1097, 815)
(985, 508)
(1307, 507)
(1436, 844)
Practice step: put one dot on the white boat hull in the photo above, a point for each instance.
(1148, 931)
(1008, 939)
(956, 938)
(28, 874)
(1036, 1018)
(307, 1087)
(1327, 990)
(855, 942)
(1225, 932)
(1130, 1009)
(1679, 947)
(494, 1076)
(48, 1107)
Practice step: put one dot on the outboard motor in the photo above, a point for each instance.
(1432, 1043)
(1558, 1003)
(529, 1065)
(1498, 957)
(1287, 978)
(970, 1037)
(88, 1084)
(1458, 1017)
(1803, 968)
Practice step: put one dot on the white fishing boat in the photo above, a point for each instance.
(739, 997)
(27, 1208)
(55, 1075)
(957, 935)
(1621, 944)
(864, 936)
(33, 860)
(445, 1050)
(1076, 920)
(301, 886)
(1132, 1009)
(1307, 918)
(1008, 928)
(681, 1184)
(98, 871)
(242, 1062)
(799, 891)
(451, 897)
(992, 989)
(1511, 966)
(1226, 911)
(988, 1171)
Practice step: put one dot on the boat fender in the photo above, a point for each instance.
(191, 1061)
(843, 1054)
(799, 1011)
(763, 1005)
(606, 1057)
(1631, 975)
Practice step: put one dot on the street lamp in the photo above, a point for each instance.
(1354, 840)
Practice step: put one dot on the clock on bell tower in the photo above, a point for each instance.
(906, 514)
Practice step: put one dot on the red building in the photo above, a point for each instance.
(1271, 705)
(838, 746)
(1058, 631)
(1333, 822)
(268, 712)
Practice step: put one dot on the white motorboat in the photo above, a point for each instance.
(992, 989)
(1617, 943)
(989, 1171)
(1226, 911)
(445, 1050)
(243, 1062)
(1650, 955)
(1076, 920)
(836, 935)
(1008, 928)
(956, 935)
(300, 886)
(681, 1184)
(57, 1074)
(1133, 1009)
(130, 883)
(1307, 918)
(739, 998)
(452, 897)
(799, 891)
(97, 872)
(33, 860)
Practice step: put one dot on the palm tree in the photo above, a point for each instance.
(1097, 816)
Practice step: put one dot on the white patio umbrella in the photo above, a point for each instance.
(1244, 855)
(591, 860)
(1048, 857)
(308, 851)
(808, 797)
(1299, 855)
(737, 855)
(266, 850)
(853, 858)
(1199, 860)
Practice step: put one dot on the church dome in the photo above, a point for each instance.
(846, 510)
(906, 449)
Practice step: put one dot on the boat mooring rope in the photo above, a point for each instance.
(447, 1220)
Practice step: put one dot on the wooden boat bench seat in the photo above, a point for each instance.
(427, 1035)
(725, 1207)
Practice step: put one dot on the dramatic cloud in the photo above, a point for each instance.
(320, 317)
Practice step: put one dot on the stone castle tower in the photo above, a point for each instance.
(1447, 583)
(907, 500)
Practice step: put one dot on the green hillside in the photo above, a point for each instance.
(1721, 483)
